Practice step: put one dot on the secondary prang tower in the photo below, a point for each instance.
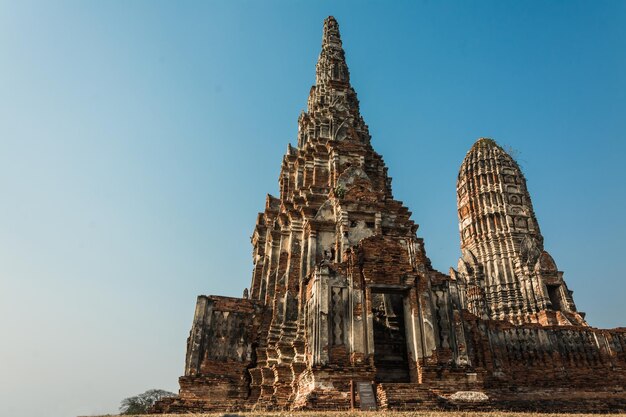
(344, 302)
(506, 272)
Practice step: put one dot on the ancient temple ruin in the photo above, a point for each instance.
(345, 310)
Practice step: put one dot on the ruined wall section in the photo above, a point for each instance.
(223, 330)
(220, 349)
(547, 356)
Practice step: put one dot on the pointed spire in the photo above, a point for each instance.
(331, 65)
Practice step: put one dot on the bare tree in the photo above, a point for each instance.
(139, 404)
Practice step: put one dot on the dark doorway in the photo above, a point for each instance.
(555, 298)
(390, 355)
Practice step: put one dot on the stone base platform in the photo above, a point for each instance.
(418, 397)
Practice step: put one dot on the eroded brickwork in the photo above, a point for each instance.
(343, 293)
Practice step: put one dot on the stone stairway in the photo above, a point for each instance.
(405, 396)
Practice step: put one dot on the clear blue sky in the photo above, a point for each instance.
(138, 140)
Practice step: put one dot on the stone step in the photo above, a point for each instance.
(399, 396)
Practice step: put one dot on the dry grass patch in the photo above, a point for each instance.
(380, 413)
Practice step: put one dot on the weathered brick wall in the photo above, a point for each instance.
(548, 356)
(220, 349)
(384, 261)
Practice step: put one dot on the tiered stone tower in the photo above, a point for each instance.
(506, 271)
(344, 302)
(327, 233)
